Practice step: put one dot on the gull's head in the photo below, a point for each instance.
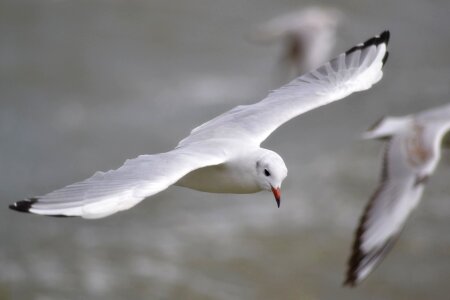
(386, 127)
(271, 171)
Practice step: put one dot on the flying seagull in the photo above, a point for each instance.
(412, 152)
(222, 155)
(308, 37)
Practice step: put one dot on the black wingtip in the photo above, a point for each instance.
(357, 255)
(351, 276)
(23, 205)
(383, 38)
(350, 282)
(385, 58)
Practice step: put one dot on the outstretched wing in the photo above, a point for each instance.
(106, 193)
(381, 224)
(355, 70)
(410, 158)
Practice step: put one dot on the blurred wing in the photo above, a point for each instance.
(436, 113)
(355, 70)
(397, 195)
(320, 49)
(311, 20)
(380, 225)
(106, 193)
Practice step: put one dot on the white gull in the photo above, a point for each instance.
(222, 155)
(412, 152)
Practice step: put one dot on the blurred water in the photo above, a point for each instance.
(87, 84)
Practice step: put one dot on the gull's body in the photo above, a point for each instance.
(222, 155)
(308, 37)
(236, 176)
(412, 152)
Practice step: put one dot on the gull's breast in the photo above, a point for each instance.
(223, 178)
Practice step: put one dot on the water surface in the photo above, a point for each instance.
(87, 84)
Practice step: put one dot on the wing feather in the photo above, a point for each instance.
(355, 70)
(106, 193)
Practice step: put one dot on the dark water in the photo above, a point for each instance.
(87, 84)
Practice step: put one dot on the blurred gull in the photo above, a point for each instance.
(222, 155)
(412, 152)
(308, 37)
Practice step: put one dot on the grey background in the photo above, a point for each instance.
(85, 85)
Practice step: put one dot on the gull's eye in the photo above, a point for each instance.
(267, 173)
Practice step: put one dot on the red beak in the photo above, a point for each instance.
(277, 193)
